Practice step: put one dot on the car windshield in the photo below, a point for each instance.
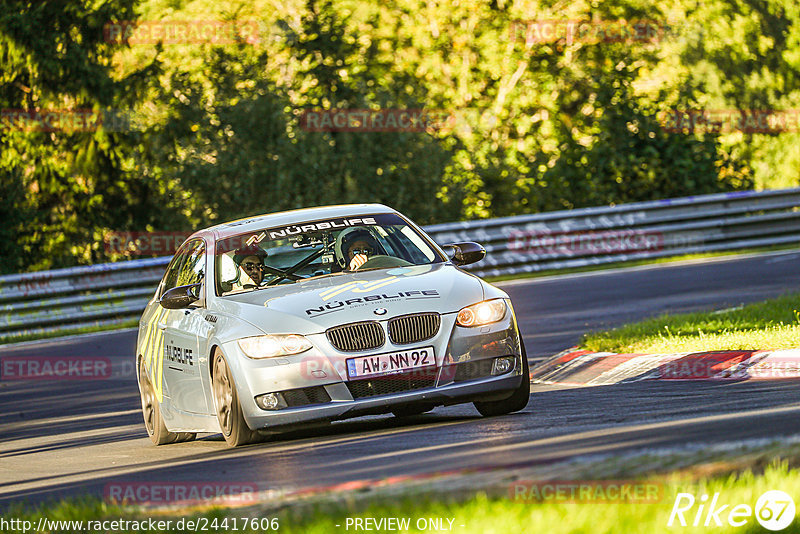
(286, 254)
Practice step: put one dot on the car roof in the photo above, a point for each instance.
(285, 218)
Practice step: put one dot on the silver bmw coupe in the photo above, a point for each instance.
(318, 315)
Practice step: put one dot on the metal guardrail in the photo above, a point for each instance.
(640, 230)
(66, 300)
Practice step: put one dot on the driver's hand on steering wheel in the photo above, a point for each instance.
(357, 261)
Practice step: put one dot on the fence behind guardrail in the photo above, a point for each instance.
(67, 300)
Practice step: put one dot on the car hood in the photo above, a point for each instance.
(312, 306)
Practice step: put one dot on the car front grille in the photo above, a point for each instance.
(413, 328)
(397, 383)
(356, 336)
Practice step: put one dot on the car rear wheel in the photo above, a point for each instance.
(229, 410)
(517, 401)
(151, 411)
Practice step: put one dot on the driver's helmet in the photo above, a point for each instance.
(348, 237)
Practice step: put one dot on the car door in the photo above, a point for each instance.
(181, 348)
(153, 326)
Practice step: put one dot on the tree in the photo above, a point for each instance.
(76, 179)
(234, 140)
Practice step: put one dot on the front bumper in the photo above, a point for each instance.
(488, 389)
(463, 373)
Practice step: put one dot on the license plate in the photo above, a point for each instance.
(390, 362)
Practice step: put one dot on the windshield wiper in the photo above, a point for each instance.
(289, 273)
(281, 273)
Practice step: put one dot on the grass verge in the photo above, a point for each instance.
(772, 324)
(517, 511)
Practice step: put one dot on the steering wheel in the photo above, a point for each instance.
(383, 261)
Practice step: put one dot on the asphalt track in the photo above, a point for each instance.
(65, 438)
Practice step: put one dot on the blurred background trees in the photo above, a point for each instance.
(535, 123)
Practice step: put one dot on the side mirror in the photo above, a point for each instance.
(465, 253)
(179, 297)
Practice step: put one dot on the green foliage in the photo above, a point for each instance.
(535, 126)
(630, 157)
(15, 210)
(234, 141)
(63, 187)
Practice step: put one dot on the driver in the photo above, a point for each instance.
(358, 245)
(251, 262)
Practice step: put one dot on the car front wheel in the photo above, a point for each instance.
(229, 410)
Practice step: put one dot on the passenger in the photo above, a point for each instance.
(251, 267)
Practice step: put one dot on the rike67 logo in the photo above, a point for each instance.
(774, 510)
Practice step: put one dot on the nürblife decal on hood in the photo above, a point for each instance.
(356, 302)
(358, 286)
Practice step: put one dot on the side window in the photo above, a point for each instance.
(427, 255)
(193, 269)
(188, 264)
(171, 276)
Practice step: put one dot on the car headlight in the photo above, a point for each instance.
(274, 345)
(482, 313)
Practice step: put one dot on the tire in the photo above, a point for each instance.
(517, 401)
(410, 411)
(151, 413)
(226, 403)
